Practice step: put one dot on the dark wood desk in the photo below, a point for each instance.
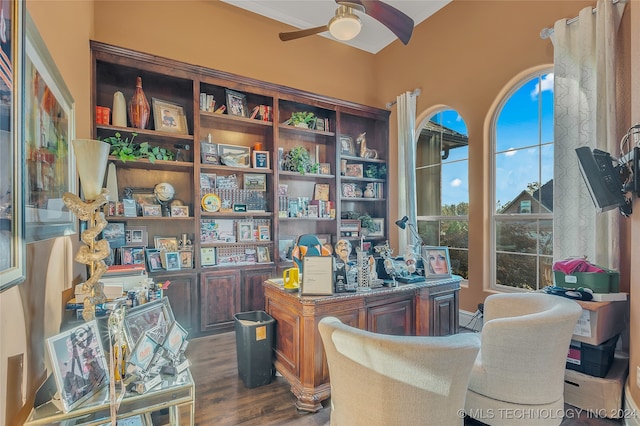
(424, 309)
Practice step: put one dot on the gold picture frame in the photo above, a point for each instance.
(169, 117)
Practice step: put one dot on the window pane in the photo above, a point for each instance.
(428, 191)
(515, 170)
(455, 183)
(546, 237)
(518, 123)
(459, 262)
(516, 270)
(546, 273)
(547, 108)
(517, 236)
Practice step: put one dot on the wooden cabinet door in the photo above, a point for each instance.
(180, 293)
(219, 299)
(444, 320)
(392, 318)
(253, 293)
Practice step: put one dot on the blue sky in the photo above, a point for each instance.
(519, 136)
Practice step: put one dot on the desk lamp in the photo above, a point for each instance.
(410, 261)
(91, 162)
(403, 223)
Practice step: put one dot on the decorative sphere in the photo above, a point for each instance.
(164, 192)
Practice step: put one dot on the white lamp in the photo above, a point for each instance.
(345, 25)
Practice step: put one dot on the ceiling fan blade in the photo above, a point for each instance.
(399, 23)
(303, 33)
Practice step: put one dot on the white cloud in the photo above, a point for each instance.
(456, 182)
(511, 152)
(545, 85)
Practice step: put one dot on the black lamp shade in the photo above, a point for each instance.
(402, 223)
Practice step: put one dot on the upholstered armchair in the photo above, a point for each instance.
(518, 376)
(379, 379)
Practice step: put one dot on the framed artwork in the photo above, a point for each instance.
(114, 232)
(179, 211)
(154, 261)
(436, 261)
(208, 256)
(49, 128)
(321, 191)
(133, 256)
(166, 243)
(354, 170)
(347, 146)
(245, 231)
(152, 210)
(325, 169)
(234, 155)
(236, 103)
(143, 353)
(263, 254)
(154, 318)
(317, 279)
(171, 261)
(260, 159)
(264, 233)
(12, 241)
(135, 236)
(256, 182)
(349, 190)
(378, 228)
(169, 117)
(209, 153)
(79, 364)
(186, 259)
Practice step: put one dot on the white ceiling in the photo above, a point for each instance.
(303, 14)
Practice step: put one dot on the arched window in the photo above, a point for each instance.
(442, 182)
(522, 225)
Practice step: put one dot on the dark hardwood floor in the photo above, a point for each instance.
(222, 398)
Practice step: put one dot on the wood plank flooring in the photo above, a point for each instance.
(223, 400)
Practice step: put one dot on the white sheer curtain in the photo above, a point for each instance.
(585, 114)
(406, 163)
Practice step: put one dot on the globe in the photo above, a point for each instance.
(164, 192)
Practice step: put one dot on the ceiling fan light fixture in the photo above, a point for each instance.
(345, 25)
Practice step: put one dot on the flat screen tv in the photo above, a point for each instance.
(603, 180)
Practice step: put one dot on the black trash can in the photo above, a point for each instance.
(254, 345)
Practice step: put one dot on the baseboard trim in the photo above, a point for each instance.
(630, 407)
(470, 320)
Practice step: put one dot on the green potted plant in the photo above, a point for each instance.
(128, 150)
(299, 160)
(302, 119)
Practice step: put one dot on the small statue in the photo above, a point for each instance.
(364, 151)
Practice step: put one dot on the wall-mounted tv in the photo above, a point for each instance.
(603, 180)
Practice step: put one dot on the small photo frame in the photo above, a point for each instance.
(208, 256)
(132, 256)
(260, 159)
(263, 254)
(236, 103)
(114, 232)
(169, 117)
(347, 146)
(234, 155)
(152, 210)
(154, 261)
(135, 236)
(209, 153)
(171, 260)
(154, 318)
(245, 231)
(378, 228)
(256, 182)
(436, 261)
(354, 170)
(349, 190)
(264, 233)
(317, 279)
(179, 211)
(143, 352)
(325, 169)
(186, 259)
(166, 243)
(79, 364)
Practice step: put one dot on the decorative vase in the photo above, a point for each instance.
(139, 107)
(119, 113)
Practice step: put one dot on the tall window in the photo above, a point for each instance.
(442, 181)
(523, 185)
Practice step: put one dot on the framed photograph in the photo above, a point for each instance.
(132, 256)
(143, 352)
(169, 117)
(317, 279)
(349, 190)
(154, 318)
(245, 231)
(325, 169)
(49, 128)
(79, 364)
(12, 241)
(263, 254)
(208, 256)
(154, 262)
(179, 211)
(347, 146)
(436, 261)
(136, 236)
(234, 155)
(354, 170)
(209, 153)
(321, 191)
(171, 260)
(260, 159)
(186, 259)
(114, 232)
(166, 243)
(378, 230)
(175, 338)
(152, 210)
(236, 103)
(256, 182)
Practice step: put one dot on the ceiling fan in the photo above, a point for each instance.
(345, 25)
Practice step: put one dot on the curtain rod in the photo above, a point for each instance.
(547, 32)
(414, 93)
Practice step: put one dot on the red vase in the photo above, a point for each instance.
(139, 107)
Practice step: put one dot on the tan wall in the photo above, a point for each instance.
(462, 57)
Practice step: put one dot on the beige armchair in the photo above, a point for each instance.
(379, 379)
(518, 376)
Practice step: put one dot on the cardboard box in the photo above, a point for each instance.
(601, 396)
(600, 321)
